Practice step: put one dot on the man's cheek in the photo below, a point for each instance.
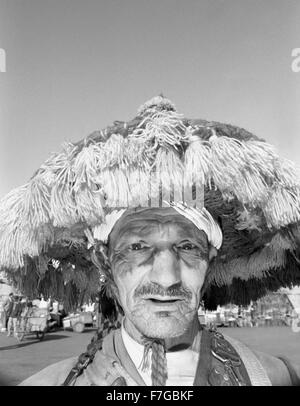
(125, 263)
(122, 267)
(193, 278)
(125, 290)
(194, 260)
(195, 288)
(122, 295)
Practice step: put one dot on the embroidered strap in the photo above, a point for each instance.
(204, 361)
(219, 364)
(257, 374)
(234, 371)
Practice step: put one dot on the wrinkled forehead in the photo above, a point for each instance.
(143, 221)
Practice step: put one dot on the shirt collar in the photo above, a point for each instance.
(135, 350)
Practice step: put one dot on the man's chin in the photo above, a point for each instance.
(163, 325)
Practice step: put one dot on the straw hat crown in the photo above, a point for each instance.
(161, 155)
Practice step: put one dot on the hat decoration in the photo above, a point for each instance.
(159, 158)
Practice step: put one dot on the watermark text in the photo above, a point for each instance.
(2, 60)
(296, 60)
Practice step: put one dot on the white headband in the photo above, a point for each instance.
(201, 218)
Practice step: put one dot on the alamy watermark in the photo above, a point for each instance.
(296, 60)
(2, 60)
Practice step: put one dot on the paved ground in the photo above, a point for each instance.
(20, 360)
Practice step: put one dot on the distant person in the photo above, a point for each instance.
(44, 304)
(25, 313)
(62, 311)
(2, 317)
(7, 307)
(253, 315)
(12, 327)
(56, 315)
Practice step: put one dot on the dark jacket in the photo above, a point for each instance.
(17, 310)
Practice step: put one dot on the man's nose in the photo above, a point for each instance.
(166, 269)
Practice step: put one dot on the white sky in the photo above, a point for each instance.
(76, 66)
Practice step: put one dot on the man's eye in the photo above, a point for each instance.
(187, 246)
(137, 246)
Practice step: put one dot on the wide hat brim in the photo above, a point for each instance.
(252, 193)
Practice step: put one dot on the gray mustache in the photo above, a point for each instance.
(154, 289)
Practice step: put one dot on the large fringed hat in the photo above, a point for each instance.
(47, 226)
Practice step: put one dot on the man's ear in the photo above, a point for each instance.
(212, 253)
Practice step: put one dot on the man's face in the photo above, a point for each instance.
(159, 261)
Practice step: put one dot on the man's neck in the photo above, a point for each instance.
(186, 340)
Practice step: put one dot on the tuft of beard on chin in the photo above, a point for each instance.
(162, 324)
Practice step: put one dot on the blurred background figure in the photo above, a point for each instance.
(44, 304)
(253, 314)
(55, 318)
(7, 309)
(25, 313)
(57, 313)
(12, 326)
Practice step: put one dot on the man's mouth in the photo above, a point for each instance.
(163, 300)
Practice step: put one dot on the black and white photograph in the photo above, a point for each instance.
(149, 195)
